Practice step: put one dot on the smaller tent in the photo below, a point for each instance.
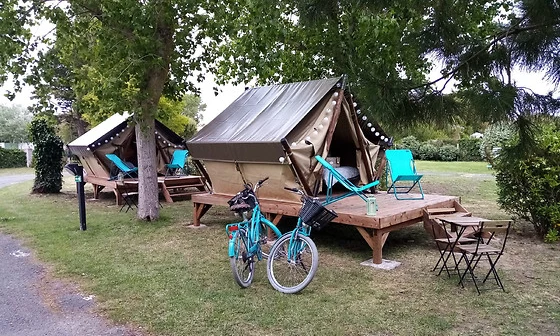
(116, 135)
(245, 142)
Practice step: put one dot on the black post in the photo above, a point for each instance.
(78, 172)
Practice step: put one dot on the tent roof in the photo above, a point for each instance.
(115, 124)
(100, 130)
(265, 114)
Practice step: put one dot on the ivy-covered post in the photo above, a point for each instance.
(47, 156)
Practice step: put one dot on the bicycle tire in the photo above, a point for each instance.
(287, 276)
(242, 266)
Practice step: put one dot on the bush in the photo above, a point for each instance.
(528, 184)
(427, 151)
(410, 142)
(448, 153)
(469, 149)
(12, 158)
(494, 136)
(47, 155)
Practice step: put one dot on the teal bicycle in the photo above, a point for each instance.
(248, 237)
(292, 260)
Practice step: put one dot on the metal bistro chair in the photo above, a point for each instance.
(448, 245)
(492, 238)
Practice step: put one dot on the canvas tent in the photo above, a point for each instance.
(244, 143)
(116, 135)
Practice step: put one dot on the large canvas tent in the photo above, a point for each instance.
(116, 135)
(244, 143)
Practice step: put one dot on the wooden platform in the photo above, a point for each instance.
(170, 186)
(392, 214)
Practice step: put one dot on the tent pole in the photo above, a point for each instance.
(203, 171)
(296, 169)
(361, 144)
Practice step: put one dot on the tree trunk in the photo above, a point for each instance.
(148, 207)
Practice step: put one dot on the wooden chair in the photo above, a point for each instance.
(490, 245)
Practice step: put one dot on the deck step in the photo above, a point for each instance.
(433, 225)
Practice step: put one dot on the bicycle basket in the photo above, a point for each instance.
(244, 200)
(314, 214)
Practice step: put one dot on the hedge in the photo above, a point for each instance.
(12, 158)
(443, 150)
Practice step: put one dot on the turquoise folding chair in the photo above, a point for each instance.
(178, 162)
(353, 190)
(122, 166)
(401, 167)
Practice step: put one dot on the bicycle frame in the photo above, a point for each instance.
(253, 229)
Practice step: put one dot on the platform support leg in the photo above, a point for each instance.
(199, 210)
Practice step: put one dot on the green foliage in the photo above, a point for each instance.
(448, 153)
(12, 158)
(553, 235)
(528, 181)
(469, 149)
(494, 137)
(47, 156)
(13, 124)
(438, 150)
(181, 116)
(410, 142)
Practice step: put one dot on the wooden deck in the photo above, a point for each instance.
(170, 186)
(392, 214)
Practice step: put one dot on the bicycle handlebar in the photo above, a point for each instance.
(295, 190)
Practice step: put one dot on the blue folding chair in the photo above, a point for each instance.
(353, 190)
(401, 167)
(178, 162)
(122, 166)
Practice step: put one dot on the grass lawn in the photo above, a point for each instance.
(16, 171)
(173, 280)
(466, 167)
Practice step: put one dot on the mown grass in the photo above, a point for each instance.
(464, 167)
(174, 280)
(16, 171)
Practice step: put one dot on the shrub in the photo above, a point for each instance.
(410, 142)
(12, 158)
(448, 153)
(528, 184)
(469, 149)
(47, 156)
(427, 151)
(494, 136)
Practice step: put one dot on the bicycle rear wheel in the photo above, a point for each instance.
(242, 265)
(291, 267)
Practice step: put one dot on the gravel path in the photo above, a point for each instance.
(33, 304)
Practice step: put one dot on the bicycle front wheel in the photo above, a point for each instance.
(242, 264)
(292, 266)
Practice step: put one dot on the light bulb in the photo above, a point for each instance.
(373, 129)
(321, 126)
(315, 132)
(386, 139)
(294, 144)
(359, 111)
(376, 133)
(308, 138)
(335, 94)
(329, 111)
(326, 119)
(355, 104)
(281, 159)
(333, 103)
(368, 124)
(106, 140)
(382, 137)
(88, 148)
(364, 118)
